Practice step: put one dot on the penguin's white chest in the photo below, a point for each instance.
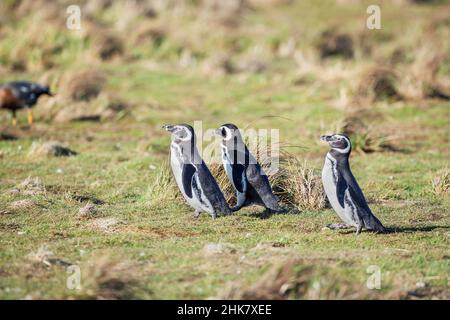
(177, 166)
(329, 179)
(198, 200)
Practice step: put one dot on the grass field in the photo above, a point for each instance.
(307, 69)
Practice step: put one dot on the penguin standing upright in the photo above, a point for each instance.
(342, 190)
(193, 177)
(246, 175)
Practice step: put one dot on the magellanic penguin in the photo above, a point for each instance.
(342, 190)
(193, 177)
(17, 95)
(245, 173)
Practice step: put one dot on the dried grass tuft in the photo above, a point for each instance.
(287, 280)
(32, 186)
(107, 46)
(440, 184)
(50, 149)
(421, 79)
(83, 86)
(295, 183)
(106, 276)
(332, 43)
(163, 187)
(377, 83)
(364, 137)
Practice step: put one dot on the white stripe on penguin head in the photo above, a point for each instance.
(188, 134)
(349, 145)
(228, 133)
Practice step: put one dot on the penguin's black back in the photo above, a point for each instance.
(357, 196)
(211, 190)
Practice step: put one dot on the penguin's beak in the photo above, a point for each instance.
(169, 127)
(218, 132)
(325, 138)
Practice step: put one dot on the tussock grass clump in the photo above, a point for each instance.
(83, 86)
(44, 256)
(298, 184)
(287, 280)
(364, 138)
(103, 107)
(89, 210)
(23, 204)
(164, 187)
(50, 149)
(106, 276)
(421, 79)
(440, 184)
(332, 43)
(107, 46)
(40, 255)
(377, 83)
(295, 183)
(32, 186)
(227, 13)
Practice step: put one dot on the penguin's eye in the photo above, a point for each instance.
(224, 132)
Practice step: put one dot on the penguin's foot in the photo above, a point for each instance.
(236, 208)
(337, 226)
(196, 214)
(358, 230)
(279, 210)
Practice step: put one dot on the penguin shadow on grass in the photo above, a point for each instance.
(394, 229)
(397, 229)
(267, 213)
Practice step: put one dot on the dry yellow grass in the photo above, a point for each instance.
(440, 184)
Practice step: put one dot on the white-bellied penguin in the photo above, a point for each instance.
(17, 95)
(342, 190)
(245, 173)
(193, 177)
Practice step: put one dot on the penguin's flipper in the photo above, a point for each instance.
(365, 215)
(212, 192)
(238, 174)
(186, 176)
(341, 187)
(261, 184)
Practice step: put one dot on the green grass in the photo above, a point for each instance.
(159, 246)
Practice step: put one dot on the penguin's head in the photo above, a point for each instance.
(46, 90)
(41, 90)
(181, 132)
(228, 131)
(338, 142)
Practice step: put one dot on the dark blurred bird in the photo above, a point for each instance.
(18, 95)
